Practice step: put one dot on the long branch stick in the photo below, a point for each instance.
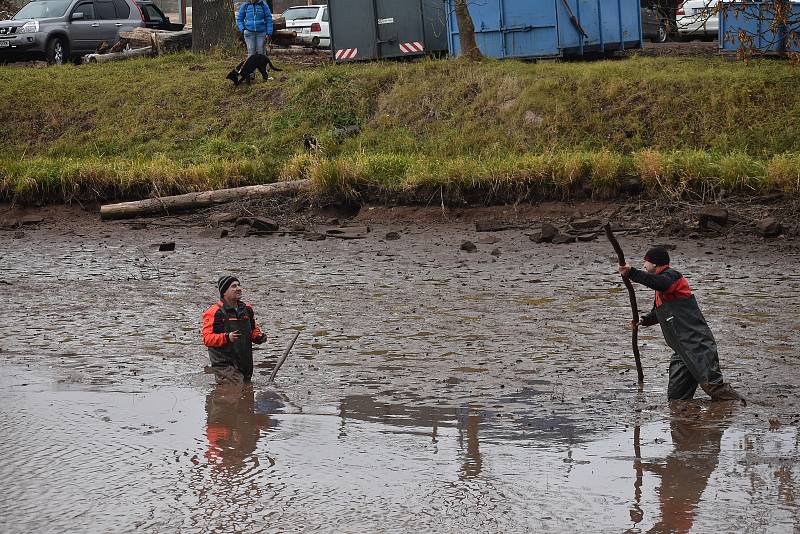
(632, 297)
(283, 358)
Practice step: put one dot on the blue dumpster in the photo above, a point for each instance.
(549, 28)
(755, 23)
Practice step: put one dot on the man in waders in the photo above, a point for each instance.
(229, 331)
(695, 361)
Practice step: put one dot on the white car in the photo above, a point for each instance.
(697, 19)
(310, 20)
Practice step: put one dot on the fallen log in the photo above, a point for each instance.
(118, 56)
(161, 40)
(203, 199)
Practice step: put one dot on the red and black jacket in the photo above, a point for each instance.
(218, 321)
(668, 284)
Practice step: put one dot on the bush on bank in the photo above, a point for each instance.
(492, 131)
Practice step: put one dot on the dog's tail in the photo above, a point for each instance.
(273, 67)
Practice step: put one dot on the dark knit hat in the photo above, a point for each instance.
(657, 256)
(225, 282)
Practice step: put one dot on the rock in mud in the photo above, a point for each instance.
(490, 226)
(549, 232)
(259, 224)
(563, 239)
(713, 214)
(30, 219)
(214, 233)
(583, 238)
(496, 252)
(222, 217)
(19, 235)
(489, 240)
(585, 224)
(241, 230)
(348, 232)
(314, 236)
(166, 247)
(468, 246)
(392, 236)
(770, 227)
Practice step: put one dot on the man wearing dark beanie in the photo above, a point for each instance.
(695, 360)
(229, 331)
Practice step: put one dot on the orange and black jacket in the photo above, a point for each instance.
(218, 321)
(668, 284)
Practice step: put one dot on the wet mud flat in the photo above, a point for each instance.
(430, 388)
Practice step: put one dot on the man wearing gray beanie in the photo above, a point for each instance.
(229, 331)
(695, 360)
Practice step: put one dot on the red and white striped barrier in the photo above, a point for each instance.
(412, 48)
(346, 53)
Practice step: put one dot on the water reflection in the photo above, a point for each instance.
(236, 419)
(468, 423)
(696, 431)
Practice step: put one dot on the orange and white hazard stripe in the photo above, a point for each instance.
(412, 48)
(346, 53)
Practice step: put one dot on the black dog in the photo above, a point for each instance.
(246, 68)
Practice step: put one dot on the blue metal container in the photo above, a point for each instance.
(755, 20)
(549, 28)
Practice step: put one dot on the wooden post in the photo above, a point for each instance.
(632, 298)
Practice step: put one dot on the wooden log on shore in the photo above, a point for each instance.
(203, 199)
(162, 40)
(118, 56)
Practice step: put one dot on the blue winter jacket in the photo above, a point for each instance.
(254, 17)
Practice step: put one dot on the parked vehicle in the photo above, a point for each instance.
(155, 18)
(655, 24)
(310, 20)
(63, 30)
(698, 19)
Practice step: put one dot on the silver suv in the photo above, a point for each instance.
(61, 30)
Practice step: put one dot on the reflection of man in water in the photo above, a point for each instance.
(233, 426)
(696, 435)
(470, 422)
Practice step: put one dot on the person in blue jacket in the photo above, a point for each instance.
(254, 20)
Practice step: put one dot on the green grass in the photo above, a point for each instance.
(485, 132)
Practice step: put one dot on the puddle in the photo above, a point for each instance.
(443, 403)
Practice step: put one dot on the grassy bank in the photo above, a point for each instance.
(495, 130)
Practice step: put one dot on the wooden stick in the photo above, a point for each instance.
(632, 297)
(283, 358)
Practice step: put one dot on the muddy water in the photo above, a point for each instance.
(430, 388)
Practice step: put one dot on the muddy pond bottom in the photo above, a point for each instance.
(430, 390)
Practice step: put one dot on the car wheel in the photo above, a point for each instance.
(663, 35)
(57, 51)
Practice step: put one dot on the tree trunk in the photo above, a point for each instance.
(213, 25)
(466, 32)
(204, 199)
(118, 56)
